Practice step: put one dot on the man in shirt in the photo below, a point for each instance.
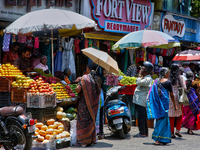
(23, 63)
(132, 70)
(43, 65)
(189, 68)
(12, 55)
(143, 82)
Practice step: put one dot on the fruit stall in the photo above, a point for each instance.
(42, 95)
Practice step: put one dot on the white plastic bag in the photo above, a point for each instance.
(73, 132)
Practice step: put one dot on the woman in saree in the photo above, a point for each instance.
(190, 111)
(158, 107)
(89, 91)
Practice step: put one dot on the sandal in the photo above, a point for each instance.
(139, 135)
(173, 136)
(178, 134)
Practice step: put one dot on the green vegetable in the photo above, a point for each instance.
(70, 116)
(70, 110)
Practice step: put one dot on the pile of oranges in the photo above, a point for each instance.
(9, 70)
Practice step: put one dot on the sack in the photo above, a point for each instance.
(183, 99)
(73, 130)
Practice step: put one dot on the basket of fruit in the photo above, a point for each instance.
(130, 83)
(128, 90)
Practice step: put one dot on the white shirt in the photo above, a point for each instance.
(41, 66)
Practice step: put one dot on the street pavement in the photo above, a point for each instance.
(113, 142)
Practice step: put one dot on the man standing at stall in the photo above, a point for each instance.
(12, 55)
(23, 63)
(143, 82)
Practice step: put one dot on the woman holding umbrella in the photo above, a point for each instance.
(89, 90)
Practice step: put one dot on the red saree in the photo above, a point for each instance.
(87, 110)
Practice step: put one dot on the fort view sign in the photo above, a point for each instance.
(122, 16)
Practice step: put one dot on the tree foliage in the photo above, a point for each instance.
(195, 8)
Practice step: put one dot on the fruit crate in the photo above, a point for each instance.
(4, 84)
(23, 105)
(128, 90)
(18, 95)
(42, 114)
(41, 100)
(4, 99)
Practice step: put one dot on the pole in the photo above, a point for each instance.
(52, 58)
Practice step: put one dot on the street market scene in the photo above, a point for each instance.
(110, 74)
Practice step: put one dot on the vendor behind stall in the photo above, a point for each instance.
(23, 63)
(67, 73)
(43, 64)
(12, 55)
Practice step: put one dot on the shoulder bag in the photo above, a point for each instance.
(183, 99)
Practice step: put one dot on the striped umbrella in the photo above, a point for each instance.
(146, 38)
(187, 55)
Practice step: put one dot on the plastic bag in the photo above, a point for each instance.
(73, 132)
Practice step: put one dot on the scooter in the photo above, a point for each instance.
(16, 129)
(117, 112)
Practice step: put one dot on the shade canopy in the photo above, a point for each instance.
(187, 55)
(146, 38)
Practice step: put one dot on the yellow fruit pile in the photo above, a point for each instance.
(22, 82)
(46, 132)
(60, 90)
(9, 70)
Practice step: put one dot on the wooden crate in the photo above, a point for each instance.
(150, 123)
(4, 84)
(18, 95)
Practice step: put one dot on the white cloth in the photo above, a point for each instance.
(41, 66)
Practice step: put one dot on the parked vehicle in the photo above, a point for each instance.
(16, 128)
(117, 112)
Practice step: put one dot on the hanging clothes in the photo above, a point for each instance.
(58, 61)
(68, 57)
(6, 42)
(36, 50)
(29, 42)
(46, 50)
(90, 43)
(86, 43)
(21, 39)
(77, 47)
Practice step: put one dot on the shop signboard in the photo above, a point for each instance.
(179, 27)
(11, 10)
(122, 16)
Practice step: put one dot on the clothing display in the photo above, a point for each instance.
(58, 61)
(21, 39)
(6, 42)
(77, 47)
(86, 43)
(29, 42)
(46, 50)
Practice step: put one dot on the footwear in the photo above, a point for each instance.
(139, 135)
(173, 136)
(190, 132)
(178, 134)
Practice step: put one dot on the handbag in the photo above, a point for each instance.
(183, 99)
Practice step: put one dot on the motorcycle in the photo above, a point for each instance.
(16, 129)
(117, 112)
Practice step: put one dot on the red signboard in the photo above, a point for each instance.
(122, 16)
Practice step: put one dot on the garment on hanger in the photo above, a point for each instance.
(160, 63)
(6, 42)
(68, 57)
(98, 45)
(58, 61)
(29, 42)
(46, 50)
(77, 47)
(21, 39)
(90, 43)
(86, 43)
(108, 45)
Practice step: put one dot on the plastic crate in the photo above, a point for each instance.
(63, 143)
(4, 99)
(42, 114)
(4, 84)
(23, 105)
(41, 100)
(18, 95)
(128, 90)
